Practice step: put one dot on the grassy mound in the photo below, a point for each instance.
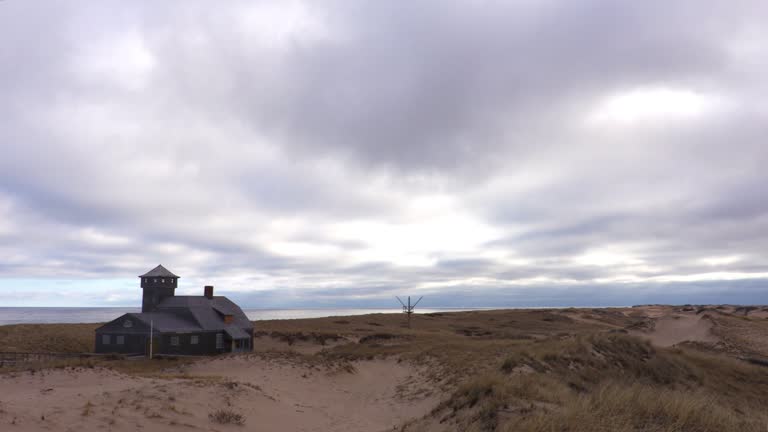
(607, 382)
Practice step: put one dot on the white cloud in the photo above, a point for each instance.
(124, 61)
(277, 24)
(650, 105)
(715, 261)
(607, 257)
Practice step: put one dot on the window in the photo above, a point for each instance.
(154, 280)
(194, 339)
(174, 341)
(162, 280)
(127, 324)
(105, 339)
(120, 340)
(219, 340)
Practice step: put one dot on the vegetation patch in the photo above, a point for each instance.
(378, 337)
(607, 382)
(225, 416)
(293, 337)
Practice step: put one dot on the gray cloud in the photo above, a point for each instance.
(480, 152)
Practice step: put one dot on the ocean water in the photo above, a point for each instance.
(49, 315)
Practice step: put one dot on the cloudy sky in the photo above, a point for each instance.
(338, 153)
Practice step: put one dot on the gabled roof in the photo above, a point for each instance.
(208, 313)
(181, 322)
(188, 314)
(165, 322)
(159, 271)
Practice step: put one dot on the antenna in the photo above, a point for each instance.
(408, 308)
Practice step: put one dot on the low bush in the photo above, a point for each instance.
(224, 416)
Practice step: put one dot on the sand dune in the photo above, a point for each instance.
(377, 395)
(271, 396)
(671, 328)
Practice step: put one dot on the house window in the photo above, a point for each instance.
(194, 339)
(162, 280)
(154, 280)
(120, 340)
(105, 339)
(127, 324)
(219, 340)
(174, 341)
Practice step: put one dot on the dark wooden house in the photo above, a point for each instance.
(181, 325)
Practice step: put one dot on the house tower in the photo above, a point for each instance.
(157, 284)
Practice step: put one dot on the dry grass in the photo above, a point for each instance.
(61, 338)
(156, 368)
(744, 335)
(637, 407)
(224, 416)
(608, 382)
(455, 345)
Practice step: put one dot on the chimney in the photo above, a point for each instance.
(208, 291)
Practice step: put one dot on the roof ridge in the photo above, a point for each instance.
(159, 271)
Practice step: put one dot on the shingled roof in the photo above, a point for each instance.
(165, 322)
(207, 313)
(159, 271)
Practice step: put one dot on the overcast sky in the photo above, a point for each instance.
(479, 153)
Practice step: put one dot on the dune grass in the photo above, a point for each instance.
(60, 338)
(608, 382)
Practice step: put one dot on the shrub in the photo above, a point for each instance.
(377, 337)
(223, 416)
